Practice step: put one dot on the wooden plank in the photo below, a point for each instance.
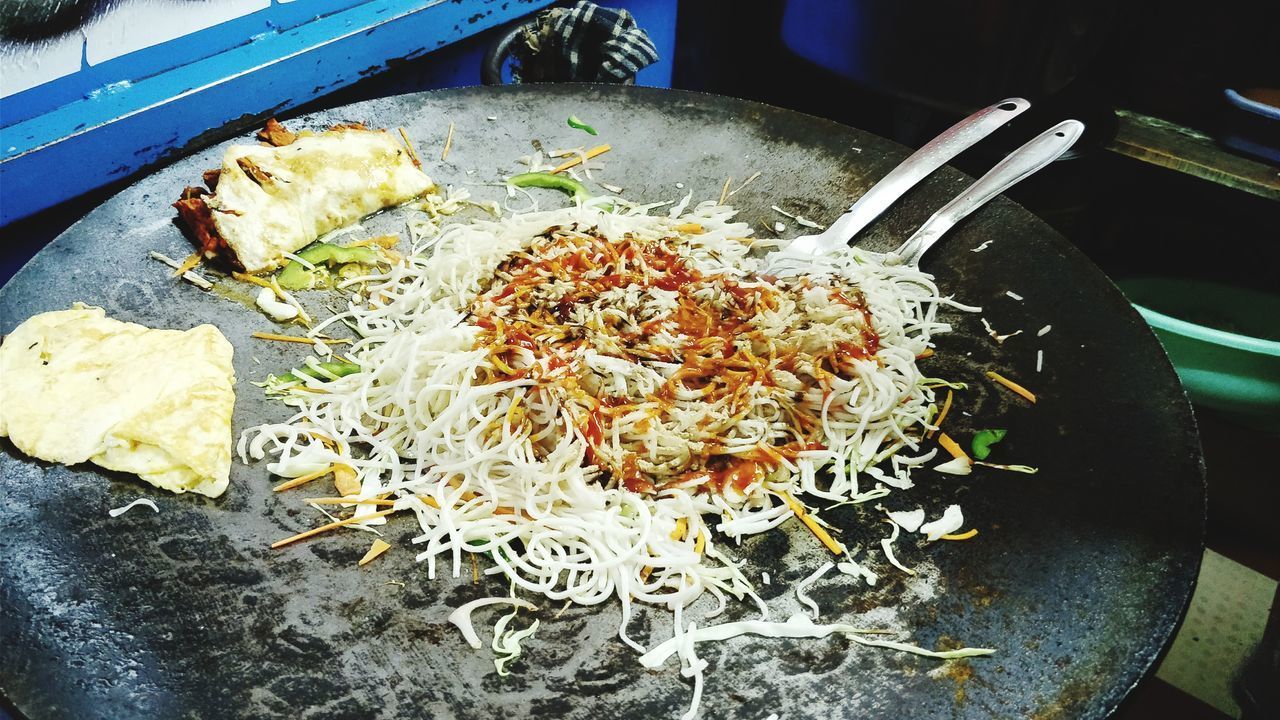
(1167, 144)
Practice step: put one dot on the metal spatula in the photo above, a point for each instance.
(1015, 167)
(918, 166)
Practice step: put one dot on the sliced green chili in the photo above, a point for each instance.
(564, 184)
(340, 369)
(296, 276)
(577, 124)
(984, 439)
(481, 542)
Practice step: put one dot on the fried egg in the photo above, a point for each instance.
(274, 200)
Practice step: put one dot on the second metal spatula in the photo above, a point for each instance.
(907, 174)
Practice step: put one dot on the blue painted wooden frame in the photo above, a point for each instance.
(57, 151)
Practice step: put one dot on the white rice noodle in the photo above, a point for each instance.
(462, 616)
(690, 664)
(144, 502)
(428, 423)
(797, 626)
(853, 569)
(886, 545)
(804, 585)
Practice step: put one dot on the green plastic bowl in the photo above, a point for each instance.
(1223, 341)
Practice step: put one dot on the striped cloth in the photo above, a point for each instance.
(594, 44)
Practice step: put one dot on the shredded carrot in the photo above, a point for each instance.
(952, 447)
(724, 192)
(386, 502)
(972, 533)
(448, 143)
(745, 183)
(187, 265)
(331, 526)
(252, 279)
(379, 546)
(774, 456)
(350, 501)
(690, 229)
(682, 525)
(928, 353)
(597, 150)
(382, 241)
(426, 499)
(283, 338)
(1012, 385)
(303, 479)
(325, 439)
(819, 532)
(408, 145)
(511, 410)
(503, 367)
(298, 339)
(946, 405)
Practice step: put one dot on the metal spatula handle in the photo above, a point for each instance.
(1016, 166)
(920, 164)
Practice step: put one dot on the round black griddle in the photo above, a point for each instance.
(1078, 576)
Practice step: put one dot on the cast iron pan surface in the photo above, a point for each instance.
(1078, 577)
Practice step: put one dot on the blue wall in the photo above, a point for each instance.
(108, 121)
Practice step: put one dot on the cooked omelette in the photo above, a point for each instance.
(269, 201)
(77, 386)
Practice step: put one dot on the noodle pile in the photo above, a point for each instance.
(599, 401)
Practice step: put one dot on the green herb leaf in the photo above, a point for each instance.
(983, 440)
(577, 124)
